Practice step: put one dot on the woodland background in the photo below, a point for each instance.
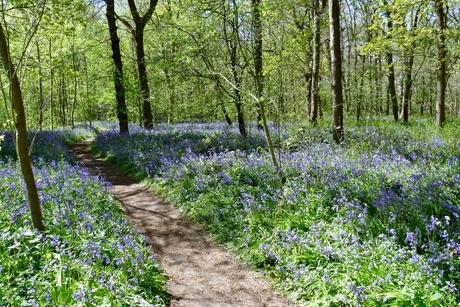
(200, 59)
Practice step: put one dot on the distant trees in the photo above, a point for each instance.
(399, 58)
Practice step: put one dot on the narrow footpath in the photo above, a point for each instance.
(201, 273)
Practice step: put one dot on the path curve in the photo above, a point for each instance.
(201, 273)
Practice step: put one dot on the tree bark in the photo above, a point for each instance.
(316, 62)
(408, 65)
(143, 80)
(258, 61)
(232, 43)
(62, 97)
(21, 134)
(140, 22)
(122, 110)
(391, 69)
(51, 86)
(41, 101)
(442, 55)
(336, 71)
(407, 87)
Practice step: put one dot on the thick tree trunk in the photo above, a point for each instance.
(122, 110)
(21, 134)
(336, 71)
(442, 55)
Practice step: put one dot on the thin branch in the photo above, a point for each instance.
(235, 87)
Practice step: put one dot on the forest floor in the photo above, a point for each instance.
(200, 272)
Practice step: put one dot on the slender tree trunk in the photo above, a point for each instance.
(52, 98)
(89, 111)
(257, 55)
(237, 76)
(239, 105)
(392, 86)
(316, 62)
(143, 79)
(336, 70)
(408, 66)
(172, 95)
(308, 87)
(51, 86)
(232, 44)
(21, 134)
(75, 86)
(388, 101)
(378, 85)
(442, 57)
(140, 22)
(219, 100)
(122, 110)
(407, 86)
(62, 96)
(360, 89)
(259, 78)
(41, 101)
(391, 69)
(224, 111)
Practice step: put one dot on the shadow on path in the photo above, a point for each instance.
(200, 273)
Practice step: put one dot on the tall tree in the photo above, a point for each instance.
(21, 133)
(317, 12)
(336, 71)
(442, 58)
(122, 110)
(138, 35)
(408, 64)
(231, 29)
(257, 55)
(391, 68)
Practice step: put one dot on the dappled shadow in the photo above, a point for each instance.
(200, 272)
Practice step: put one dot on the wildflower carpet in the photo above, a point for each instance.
(200, 272)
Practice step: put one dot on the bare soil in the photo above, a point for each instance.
(201, 273)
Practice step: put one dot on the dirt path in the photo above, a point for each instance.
(200, 272)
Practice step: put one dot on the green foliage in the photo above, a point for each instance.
(89, 254)
(370, 223)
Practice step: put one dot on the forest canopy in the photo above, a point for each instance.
(203, 60)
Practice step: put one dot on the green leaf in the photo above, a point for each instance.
(435, 297)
